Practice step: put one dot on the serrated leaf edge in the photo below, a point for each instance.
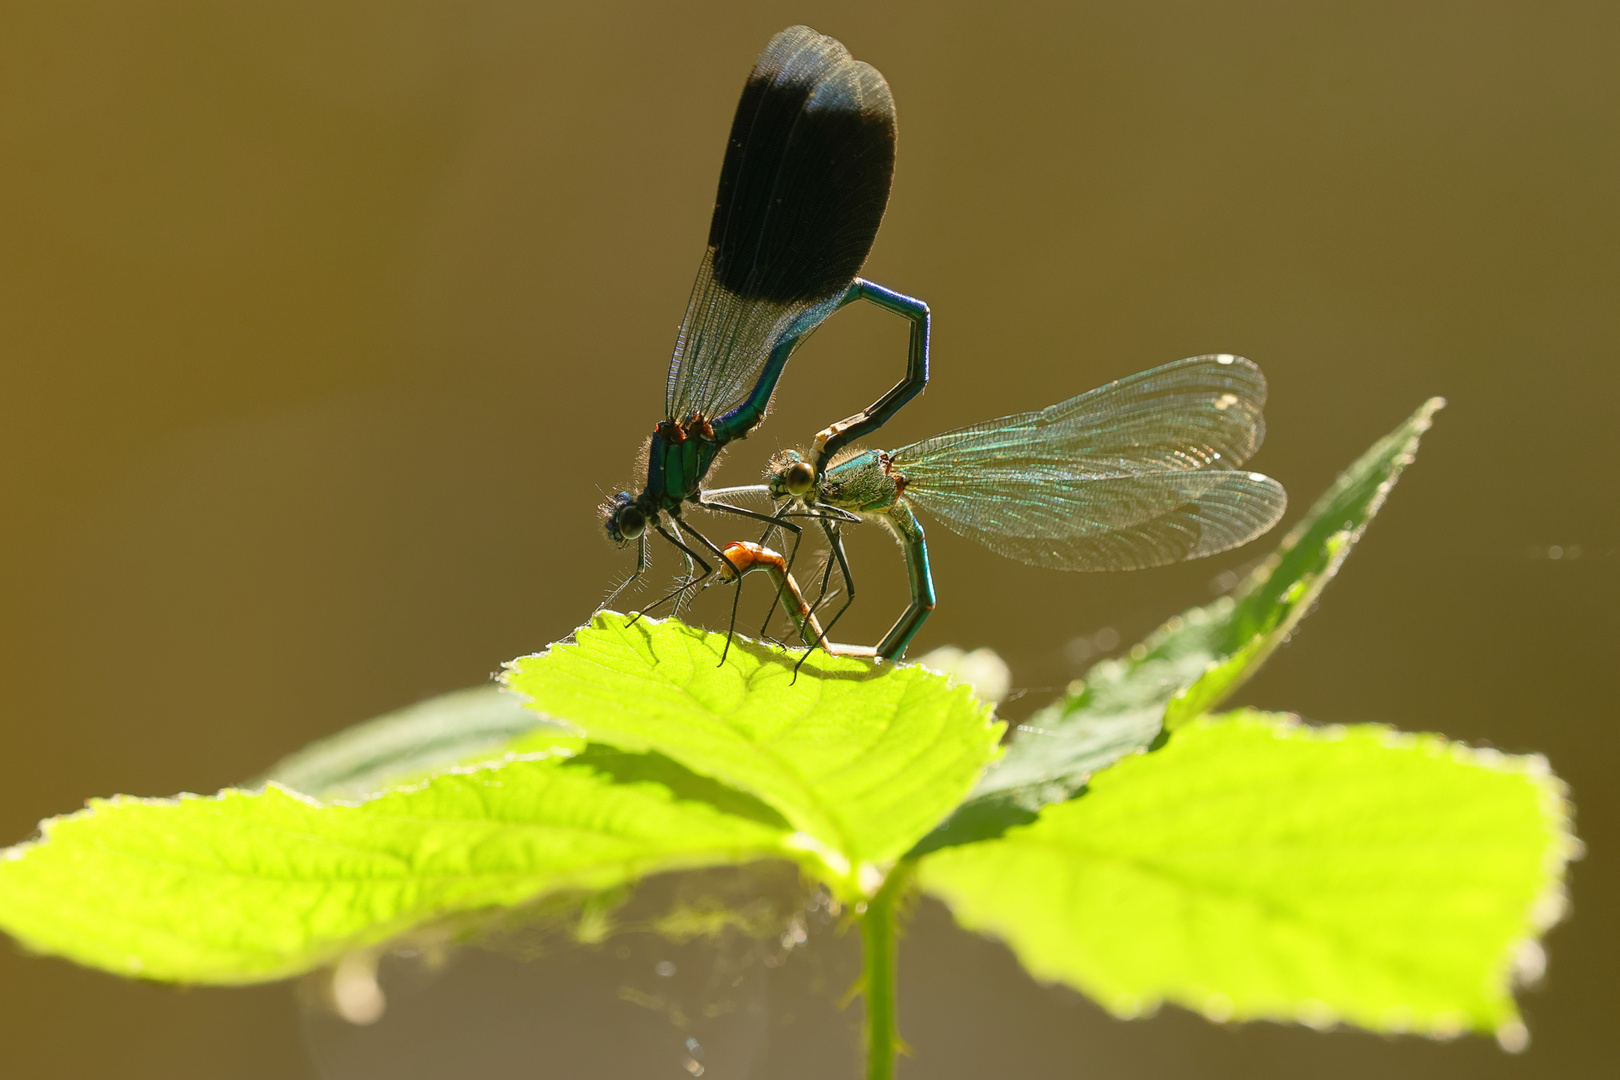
(1524, 959)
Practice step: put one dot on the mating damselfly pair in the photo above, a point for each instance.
(1144, 471)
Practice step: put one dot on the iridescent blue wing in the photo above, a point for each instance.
(802, 191)
(1141, 472)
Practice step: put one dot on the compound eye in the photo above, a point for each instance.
(630, 522)
(799, 478)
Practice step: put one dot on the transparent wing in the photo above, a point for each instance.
(1120, 523)
(1141, 472)
(802, 191)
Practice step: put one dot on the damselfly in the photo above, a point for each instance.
(1141, 472)
(802, 191)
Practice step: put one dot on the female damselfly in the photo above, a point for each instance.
(1141, 472)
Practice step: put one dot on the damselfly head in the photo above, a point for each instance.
(790, 475)
(625, 520)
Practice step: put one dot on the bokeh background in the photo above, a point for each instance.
(323, 327)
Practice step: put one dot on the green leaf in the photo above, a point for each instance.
(1257, 868)
(1190, 664)
(451, 729)
(862, 759)
(247, 886)
(1284, 588)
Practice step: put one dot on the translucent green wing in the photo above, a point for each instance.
(1141, 472)
(1118, 523)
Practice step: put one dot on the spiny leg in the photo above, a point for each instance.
(660, 602)
(684, 595)
(712, 498)
(832, 534)
(831, 516)
(835, 539)
(731, 627)
(710, 545)
(643, 561)
(765, 541)
(690, 554)
(822, 512)
(721, 555)
(772, 523)
(822, 594)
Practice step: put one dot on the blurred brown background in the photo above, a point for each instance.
(323, 326)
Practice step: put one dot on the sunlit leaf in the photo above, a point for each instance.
(1256, 868)
(245, 886)
(861, 758)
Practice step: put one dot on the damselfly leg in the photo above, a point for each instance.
(643, 561)
(691, 555)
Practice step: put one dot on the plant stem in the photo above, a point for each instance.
(879, 925)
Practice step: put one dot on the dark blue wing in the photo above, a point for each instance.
(802, 191)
